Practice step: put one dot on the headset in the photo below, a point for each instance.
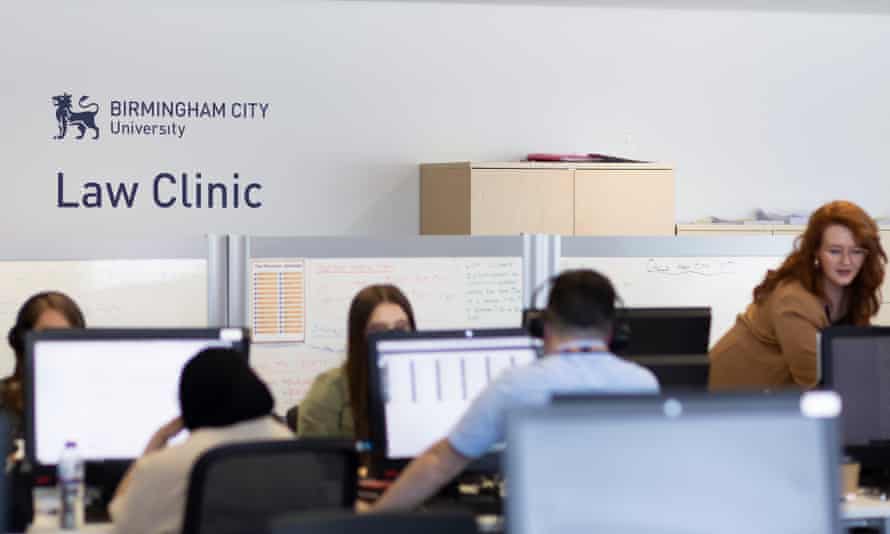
(534, 318)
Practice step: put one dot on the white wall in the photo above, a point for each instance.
(754, 108)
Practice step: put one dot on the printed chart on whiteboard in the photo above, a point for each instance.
(279, 301)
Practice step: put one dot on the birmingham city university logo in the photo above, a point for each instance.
(83, 119)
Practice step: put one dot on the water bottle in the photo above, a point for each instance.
(71, 487)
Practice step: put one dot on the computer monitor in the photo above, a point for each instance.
(107, 389)
(661, 331)
(855, 362)
(688, 463)
(421, 383)
(670, 342)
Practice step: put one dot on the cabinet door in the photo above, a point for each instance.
(624, 202)
(514, 201)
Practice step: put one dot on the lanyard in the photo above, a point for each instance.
(582, 345)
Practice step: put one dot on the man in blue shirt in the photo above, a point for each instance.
(577, 328)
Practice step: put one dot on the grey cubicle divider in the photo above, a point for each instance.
(177, 282)
(534, 250)
(675, 246)
(542, 253)
(715, 271)
(217, 280)
(441, 275)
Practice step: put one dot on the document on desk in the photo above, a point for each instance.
(278, 301)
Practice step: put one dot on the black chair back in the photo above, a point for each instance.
(238, 488)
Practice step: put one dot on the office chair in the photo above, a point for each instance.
(238, 488)
(395, 523)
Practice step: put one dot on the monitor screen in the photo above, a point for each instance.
(421, 383)
(735, 464)
(670, 342)
(855, 362)
(107, 389)
(661, 331)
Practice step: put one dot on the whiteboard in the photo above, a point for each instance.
(445, 293)
(725, 284)
(111, 293)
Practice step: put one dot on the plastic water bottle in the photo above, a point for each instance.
(71, 487)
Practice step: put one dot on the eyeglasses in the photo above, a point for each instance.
(854, 253)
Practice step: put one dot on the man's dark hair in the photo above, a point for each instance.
(581, 300)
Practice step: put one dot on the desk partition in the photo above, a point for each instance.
(176, 282)
(715, 272)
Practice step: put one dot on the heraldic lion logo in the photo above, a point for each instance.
(84, 119)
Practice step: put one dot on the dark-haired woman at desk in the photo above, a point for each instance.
(336, 405)
(221, 401)
(42, 311)
(833, 276)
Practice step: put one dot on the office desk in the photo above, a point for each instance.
(46, 516)
(46, 524)
(49, 524)
(861, 512)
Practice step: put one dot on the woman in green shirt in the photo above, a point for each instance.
(336, 405)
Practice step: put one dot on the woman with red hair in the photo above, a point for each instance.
(833, 276)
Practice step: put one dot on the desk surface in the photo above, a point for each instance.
(46, 516)
(49, 524)
(865, 507)
(862, 507)
(46, 524)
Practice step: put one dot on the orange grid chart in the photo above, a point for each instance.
(278, 301)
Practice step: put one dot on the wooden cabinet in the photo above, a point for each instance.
(551, 198)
